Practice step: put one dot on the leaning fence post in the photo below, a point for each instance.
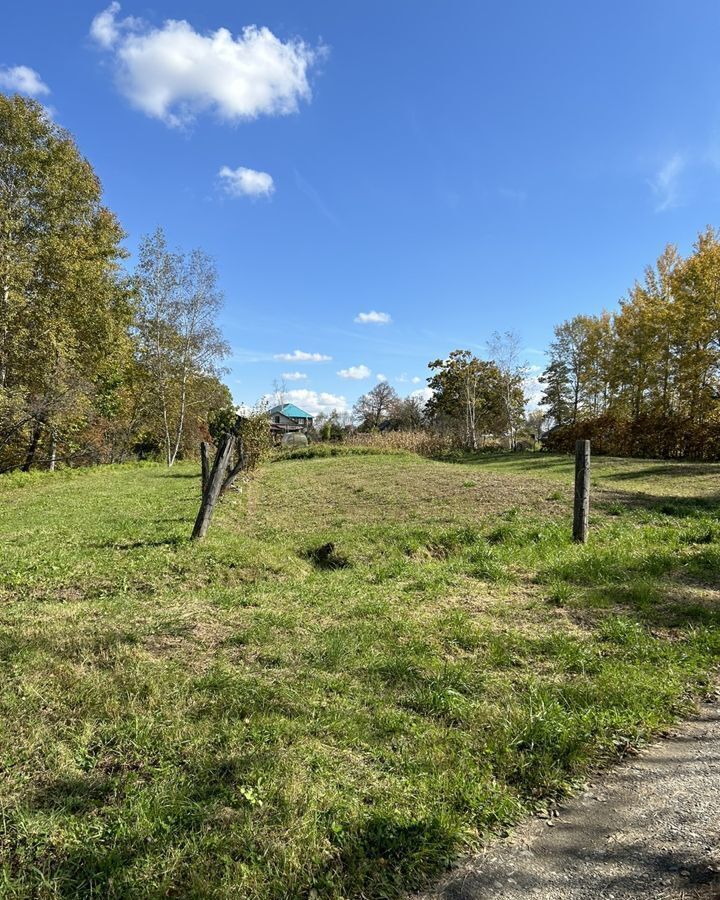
(581, 510)
(204, 464)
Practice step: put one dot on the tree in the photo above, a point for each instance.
(570, 349)
(64, 306)
(467, 392)
(408, 413)
(696, 328)
(646, 379)
(375, 406)
(280, 390)
(504, 348)
(557, 396)
(534, 423)
(179, 342)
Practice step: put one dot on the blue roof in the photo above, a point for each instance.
(291, 411)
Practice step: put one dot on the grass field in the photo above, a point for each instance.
(264, 715)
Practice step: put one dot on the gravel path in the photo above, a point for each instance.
(648, 829)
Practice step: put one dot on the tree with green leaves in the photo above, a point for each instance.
(64, 304)
(557, 397)
(178, 340)
(468, 395)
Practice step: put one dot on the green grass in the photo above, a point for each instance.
(264, 716)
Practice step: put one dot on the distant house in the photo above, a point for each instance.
(287, 418)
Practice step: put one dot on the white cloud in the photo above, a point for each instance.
(381, 377)
(302, 356)
(355, 372)
(314, 402)
(294, 376)
(106, 31)
(532, 388)
(22, 80)
(415, 379)
(423, 394)
(665, 185)
(242, 182)
(373, 318)
(173, 72)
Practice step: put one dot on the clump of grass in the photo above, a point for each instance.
(614, 508)
(559, 593)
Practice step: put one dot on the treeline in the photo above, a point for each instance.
(473, 402)
(644, 381)
(96, 364)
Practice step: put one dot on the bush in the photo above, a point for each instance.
(648, 436)
(255, 437)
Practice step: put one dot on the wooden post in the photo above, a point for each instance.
(581, 510)
(204, 464)
(214, 486)
(216, 479)
(236, 469)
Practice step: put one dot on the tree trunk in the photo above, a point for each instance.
(32, 449)
(53, 450)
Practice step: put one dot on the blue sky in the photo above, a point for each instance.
(459, 166)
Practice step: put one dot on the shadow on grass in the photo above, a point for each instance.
(385, 857)
(676, 506)
(73, 794)
(659, 587)
(664, 470)
(174, 541)
(526, 461)
(665, 607)
(325, 557)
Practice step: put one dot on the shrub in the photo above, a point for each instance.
(648, 436)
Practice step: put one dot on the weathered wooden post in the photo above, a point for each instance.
(204, 464)
(581, 510)
(216, 480)
(214, 485)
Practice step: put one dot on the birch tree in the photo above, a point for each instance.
(179, 341)
(504, 348)
(468, 393)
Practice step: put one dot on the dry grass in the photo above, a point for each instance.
(422, 442)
